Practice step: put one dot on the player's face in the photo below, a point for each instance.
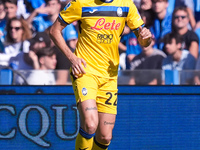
(180, 19)
(11, 9)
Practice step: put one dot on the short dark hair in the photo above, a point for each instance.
(148, 14)
(168, 38)
(10, 1)
(183, 8)
(47, 51)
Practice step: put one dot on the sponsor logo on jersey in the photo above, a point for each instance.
(94, 10)
(84, 91)
(104, 38)
(102, 24)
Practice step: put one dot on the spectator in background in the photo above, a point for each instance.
(46, 60)
(18, 34)
(63, 64)
(146, 5)
(10, 7)
(24, 59)
(149, 58)
(130, 45)
(180, 21)
(178, 58)
(31, 5)
(62, 68)
(162, 22)
(129, 40)
(146, 61)
(42, 22)
(189, 6)
(70, 36)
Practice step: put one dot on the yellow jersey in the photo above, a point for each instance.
(101, 25)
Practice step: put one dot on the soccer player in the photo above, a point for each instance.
(94, 64)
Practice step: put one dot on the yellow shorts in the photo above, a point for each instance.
(103, 90)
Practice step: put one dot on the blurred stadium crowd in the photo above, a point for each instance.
(175, 25)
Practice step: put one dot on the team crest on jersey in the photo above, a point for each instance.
(67, 6)
(84, 91)
(119, 12)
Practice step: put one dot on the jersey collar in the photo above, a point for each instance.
(107, 1)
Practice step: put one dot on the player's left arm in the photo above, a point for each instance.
(135, 23)
(144, 36)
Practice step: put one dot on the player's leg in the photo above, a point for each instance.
(89, 122)
(107, 108)
(103, 134)
(85, 89)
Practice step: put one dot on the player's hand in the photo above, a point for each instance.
(144, 33)
(145, 36)
(77, 67)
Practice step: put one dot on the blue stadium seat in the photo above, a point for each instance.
(6, 77)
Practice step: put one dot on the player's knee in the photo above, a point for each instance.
(91, 127)
(105, 139)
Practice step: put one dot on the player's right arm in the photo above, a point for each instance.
(56, 35)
